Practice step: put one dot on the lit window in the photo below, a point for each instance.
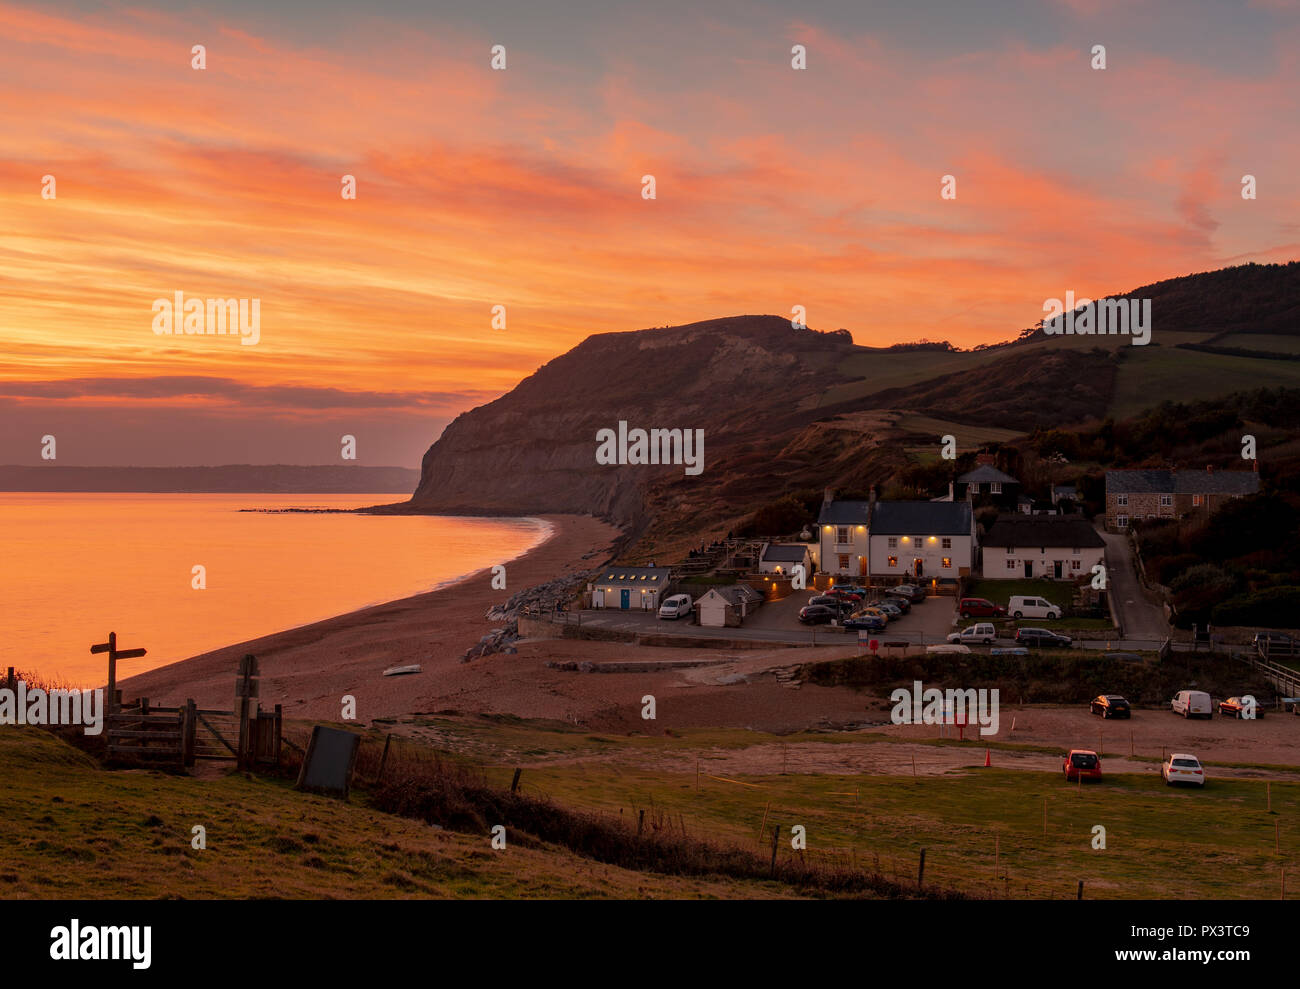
(893, 561)
(1196, 499)
(947, 543)
(947, 563)
(844, 561)
(842, 534)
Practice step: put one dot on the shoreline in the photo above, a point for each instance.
(309, 668)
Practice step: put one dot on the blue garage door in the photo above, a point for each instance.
(626, 598)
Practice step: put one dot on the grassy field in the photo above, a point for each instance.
(1151, 375)
(129, 832)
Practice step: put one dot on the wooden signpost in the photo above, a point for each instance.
(114, 654)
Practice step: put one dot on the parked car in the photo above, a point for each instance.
(1043, 638)
(865, 623)
(1026, 606)
(1182, 767)
(830, 601)
(983, 632)
(1192, 704)
(910, 591)
(818, 614)
(677, 606)
(850, 595)
(891, 609)
(1236, 707)
(1110, 706)
(1081, 763)
(980, 608)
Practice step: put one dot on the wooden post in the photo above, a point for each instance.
(776, 835)
(190, 719)
(11, 682)
(697, 774)
(383, 759)
(279, 730)
(920, 872)
(1080, 894)
(913, 765)
(1277, 840)
(1130, 743)
(244, 691)
(514, 783)
(640, 822)
(763, 823)
(1044, 815)
(1267, 784)
(995, 856)
(112, 672)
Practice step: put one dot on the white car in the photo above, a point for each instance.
(1024, 606)
(982, 632)
(677, 606)
(1182, 767)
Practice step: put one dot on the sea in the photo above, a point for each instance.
(75, 567)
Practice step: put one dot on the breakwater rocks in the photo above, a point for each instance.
(546, 597)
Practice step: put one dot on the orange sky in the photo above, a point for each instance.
(522, 188)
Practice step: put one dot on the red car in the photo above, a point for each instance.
(981, 608)
(1082, 763)
(844, 594)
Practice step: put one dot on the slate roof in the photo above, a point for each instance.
(735, 594)
(985, 473)
(921, 518)
(1240, 482)
(784, 553)
(1042, 530)
(1064, 490)
(844, 513)
(615, 576)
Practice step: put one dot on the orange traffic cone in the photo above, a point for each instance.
(987, 762)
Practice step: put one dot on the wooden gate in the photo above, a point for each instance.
(210, 735)
(146, 733)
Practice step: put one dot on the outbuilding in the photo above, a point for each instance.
(630, 588)
(727, 606)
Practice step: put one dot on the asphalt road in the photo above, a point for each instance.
(1139, 617)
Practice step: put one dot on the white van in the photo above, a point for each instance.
(1023, 606)
(1192, 704)
(677, 606)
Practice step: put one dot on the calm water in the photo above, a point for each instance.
(74, 567)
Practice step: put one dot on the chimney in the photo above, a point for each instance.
(951, 492)
(871, 495)
(828, 496)
(1254, 465)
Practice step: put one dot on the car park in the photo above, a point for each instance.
(982, 632)
(1043, 638)
(1028, 606)
(1182, 767)
(1237, 707)
(1081, 764)
(677, 606)
(1110, 706)
(1192, 704)
(818, 614)
(980, 608)
(830, 601)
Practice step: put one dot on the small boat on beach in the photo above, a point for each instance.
(396, 671)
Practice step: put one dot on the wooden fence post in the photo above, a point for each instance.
(514, 783)
(188, 722)
(920, 872)
(383, 759)
(776, 836)
(279, 728)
